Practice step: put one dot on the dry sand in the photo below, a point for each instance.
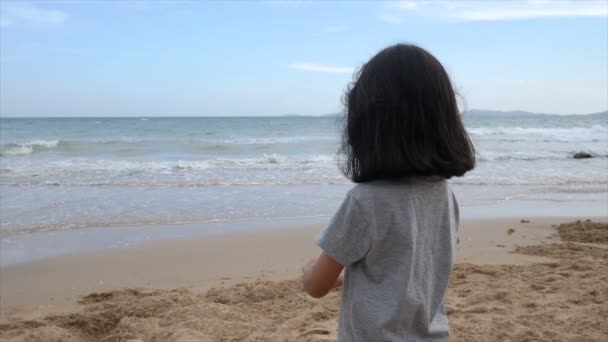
(547, 291)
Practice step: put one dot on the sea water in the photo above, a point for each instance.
(74, 173)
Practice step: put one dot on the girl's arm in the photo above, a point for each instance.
(321, 275)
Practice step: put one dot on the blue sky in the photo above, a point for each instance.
(182, 58)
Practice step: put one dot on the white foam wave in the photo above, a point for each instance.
(277, 140)
(17, 151)
(275, 161)
(43, 143)
(535, 155)
(596, 133)
(126, 139)
(27, 147)
(271, 160)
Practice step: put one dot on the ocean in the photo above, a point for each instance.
(75, 173)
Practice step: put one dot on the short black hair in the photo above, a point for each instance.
(402, 120)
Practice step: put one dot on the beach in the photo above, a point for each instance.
(196, 229)
(166, 168)
(515, 279)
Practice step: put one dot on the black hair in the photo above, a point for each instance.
(402, 120)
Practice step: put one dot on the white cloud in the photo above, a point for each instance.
(471, 10)
(322, 68)
(335, 28)
(13, 13)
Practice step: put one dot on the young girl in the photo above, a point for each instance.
(395, 234)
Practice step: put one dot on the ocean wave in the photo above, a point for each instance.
(194, 140)
(183, 183)
(567, 182)
(576, 189)
(175, 179)
(7, 233)
(265, 161)
(595, 133)
(147, 145)
(485, 130)
(494, 156)
(495, 167)
(263, 170)
(277, 140)
(271, 160)
(26, 148)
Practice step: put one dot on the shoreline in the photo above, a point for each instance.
(18, 248)
(33, 289)
(122, 216)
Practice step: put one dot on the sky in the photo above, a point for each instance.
(187, 58)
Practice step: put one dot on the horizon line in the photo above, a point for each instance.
(273, 116)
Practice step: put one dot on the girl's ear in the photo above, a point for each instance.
(321, 277)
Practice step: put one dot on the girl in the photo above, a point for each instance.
(395, 234)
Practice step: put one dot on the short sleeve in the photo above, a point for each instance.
(347, 238)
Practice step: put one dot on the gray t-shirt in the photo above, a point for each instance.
(396, 240)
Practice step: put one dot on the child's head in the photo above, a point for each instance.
(402, 120)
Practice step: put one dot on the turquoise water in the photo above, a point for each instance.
(93, 172)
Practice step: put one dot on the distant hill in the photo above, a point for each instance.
(520, 113)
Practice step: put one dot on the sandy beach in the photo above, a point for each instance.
(514, 281)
